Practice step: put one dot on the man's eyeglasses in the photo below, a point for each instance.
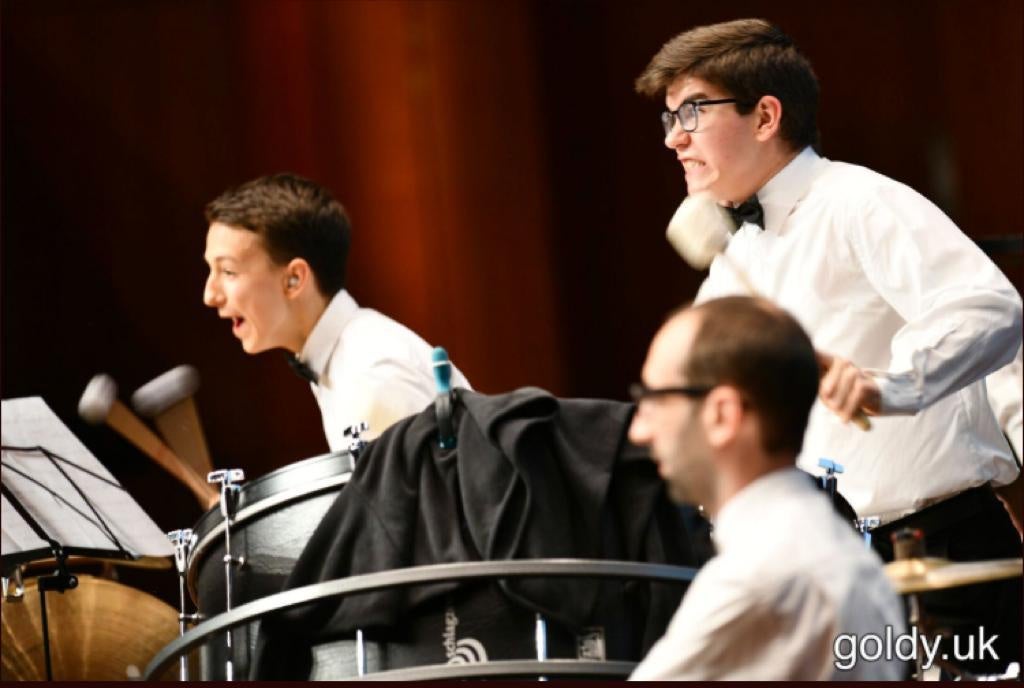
(639, 391)
(687, 114)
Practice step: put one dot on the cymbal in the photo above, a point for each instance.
(932, 573)
(76, 561)
(99, 631)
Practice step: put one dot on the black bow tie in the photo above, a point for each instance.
(748, 211)
(301, 369)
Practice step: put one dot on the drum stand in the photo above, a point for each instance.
(356, 444)
(183, 541)
(229, 479)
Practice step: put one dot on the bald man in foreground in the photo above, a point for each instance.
(726, 392)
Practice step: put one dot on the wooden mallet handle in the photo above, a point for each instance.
(168, 401)
(99, 404)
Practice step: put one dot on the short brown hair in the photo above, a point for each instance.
(763, 351)
(295, 218)
(749, 58)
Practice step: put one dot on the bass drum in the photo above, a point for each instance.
(275, 516)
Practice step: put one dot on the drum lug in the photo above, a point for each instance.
(356, 442)
(239, 562)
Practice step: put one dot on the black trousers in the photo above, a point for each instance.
(971, 526)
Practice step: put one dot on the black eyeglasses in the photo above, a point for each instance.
(639, 391)
(687, 114)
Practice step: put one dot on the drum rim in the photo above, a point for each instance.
(508, 668)
(416, 575)
(257, 497)
(254, 491)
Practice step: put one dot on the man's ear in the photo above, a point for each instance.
(722, 415)
(768, 118)
(298, 277)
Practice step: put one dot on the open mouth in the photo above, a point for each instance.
(236, 324)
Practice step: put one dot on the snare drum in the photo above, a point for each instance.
(275, 516)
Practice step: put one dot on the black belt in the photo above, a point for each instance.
(935, 518)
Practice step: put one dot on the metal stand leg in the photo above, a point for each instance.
(183, 540)
(46, 635)
(360, 653)
(60, 581)
(540, 639)
(915, 621)
(229, 490)
(908, 543)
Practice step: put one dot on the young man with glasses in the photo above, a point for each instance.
(727, 388)
(911, 313)
(277, 249)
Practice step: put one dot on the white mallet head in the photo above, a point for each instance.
(700, 230)
(172, 387)
(97, 399)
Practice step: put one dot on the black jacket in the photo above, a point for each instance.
(532, 476)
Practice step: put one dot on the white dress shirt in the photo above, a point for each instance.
(789, 577)
(369, 368)
(878, 275)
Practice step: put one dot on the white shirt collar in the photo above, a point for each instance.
(732, 524)
(783, 191)
(325, 337)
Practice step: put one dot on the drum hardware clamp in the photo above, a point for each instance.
(229, 479)
(354, 435)
(14, 586)
(183, 541)
(866, 525)
(832, 469)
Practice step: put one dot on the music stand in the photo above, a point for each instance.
(58, 500)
